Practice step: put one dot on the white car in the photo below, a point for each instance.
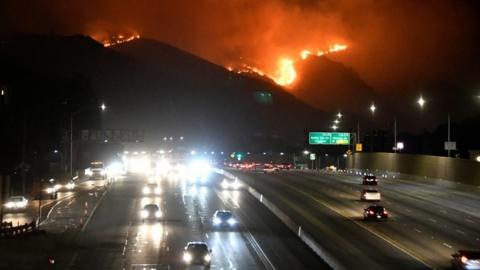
(16, 202)
(371, 195)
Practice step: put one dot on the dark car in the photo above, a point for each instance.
(197, 253)
(223, 218)
(370, 180)
(151, 211)
(466, 259)
(375, 212)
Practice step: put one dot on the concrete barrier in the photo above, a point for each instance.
(418, 166)
(291, 224)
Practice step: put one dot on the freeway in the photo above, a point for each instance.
(428, 221)
(117, 238)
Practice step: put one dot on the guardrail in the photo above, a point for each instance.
(8, 230)
(304, 236)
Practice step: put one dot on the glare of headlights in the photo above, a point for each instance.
(236, 185)
(144, 214)
(232, 221)
(217, 221)
(225, 184)
(9, 205)
(158, 214)
(146, 190)
(88, 172)
(57, 186)
(187, 257)
(50, 190)
(207, 257)
(70, 185)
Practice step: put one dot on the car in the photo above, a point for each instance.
(375, 212)
(285, 166)
(150, 212)
(370, 180)
(235, 184)
(466, 259)
(223, 218)
(197, 253)
(151, 188)
(16, 203)
(370, 195)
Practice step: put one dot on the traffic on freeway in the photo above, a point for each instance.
(423, 222)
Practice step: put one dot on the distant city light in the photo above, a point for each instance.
(264, 153)
(55, 151)
(103, 107)
(281, 154)
(306, 152)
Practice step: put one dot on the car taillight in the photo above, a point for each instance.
(385, 212)
(370, 212)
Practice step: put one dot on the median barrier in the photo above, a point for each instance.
(304, 236)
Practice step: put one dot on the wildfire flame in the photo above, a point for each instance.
(119, 39)
(285, 73)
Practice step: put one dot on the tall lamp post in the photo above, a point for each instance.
(372, 109)
(103, 107)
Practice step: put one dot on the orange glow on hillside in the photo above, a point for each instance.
(285, 73)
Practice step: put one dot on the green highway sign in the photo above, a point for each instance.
(329, 138)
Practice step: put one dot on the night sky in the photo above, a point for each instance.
(393, 45)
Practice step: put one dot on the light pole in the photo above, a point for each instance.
(103, 107)
(372, 108)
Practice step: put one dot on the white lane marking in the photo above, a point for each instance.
(417, 230)
(447, 245)
(432, 220)
(93, 211)
(206, 235)
(459, 231)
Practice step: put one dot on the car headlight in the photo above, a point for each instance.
(50, 190)
(57, 187)
(158, 190)
(70, 185)
(88, 172)
(232, 221)
(144, 214)
(187, 257)
(9, 205)
(207, 258)
(158, 214)
(146, 190)
(217, 221)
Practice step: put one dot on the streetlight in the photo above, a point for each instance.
(339, 115)
(336, 121)
(334, 127)
(306, 152)
(421, 102)
(103, 107)
(373, 108)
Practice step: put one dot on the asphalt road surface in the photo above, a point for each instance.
(428, 220)
(117, 238)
